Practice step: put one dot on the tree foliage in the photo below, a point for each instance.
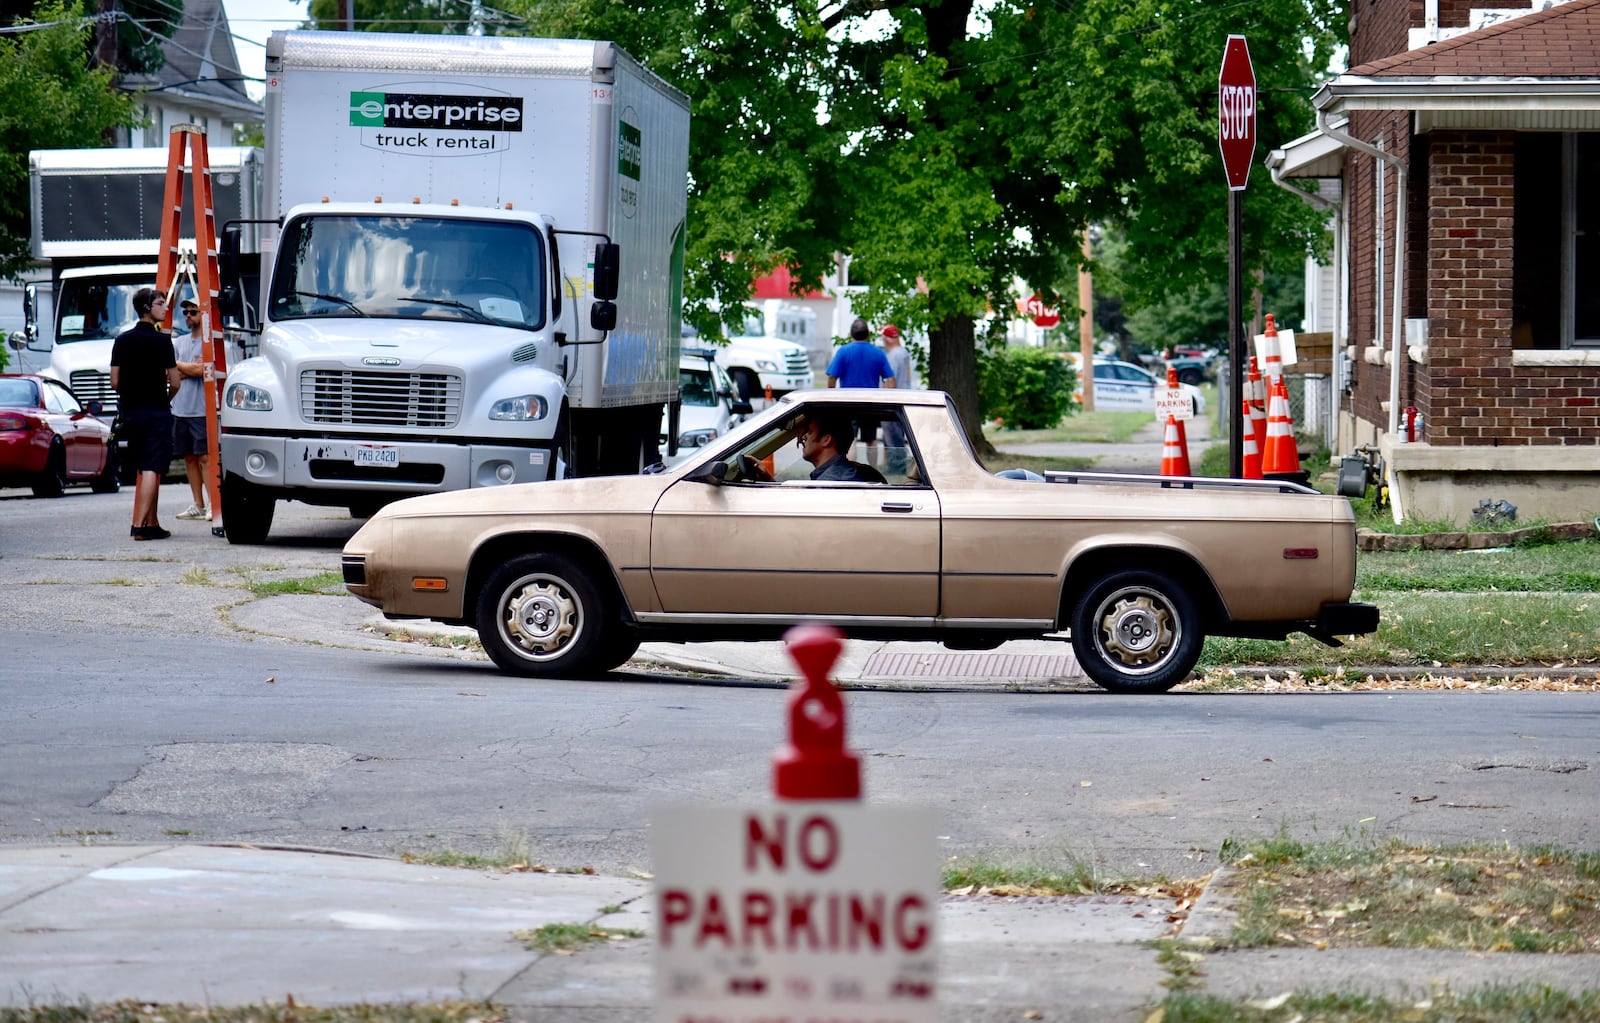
(430, 17)
(54, 100)
(1026, 388)
(949, 146)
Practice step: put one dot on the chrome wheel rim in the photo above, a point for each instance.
(541, 618)
(1136, 630)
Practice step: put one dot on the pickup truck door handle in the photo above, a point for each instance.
(897, 506)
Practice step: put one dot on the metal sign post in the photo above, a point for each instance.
(1236, 135)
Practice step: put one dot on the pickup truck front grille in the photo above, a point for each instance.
(92, 385)
(367, 398)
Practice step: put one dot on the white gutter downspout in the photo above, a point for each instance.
(1398, 326)
(1337, 210)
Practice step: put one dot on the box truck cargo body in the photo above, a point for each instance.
(96, 220)
(430, 320)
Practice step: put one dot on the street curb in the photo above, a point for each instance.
(1214, 913)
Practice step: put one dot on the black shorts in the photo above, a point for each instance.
(148, 432)
(867, 430)
(188, 435)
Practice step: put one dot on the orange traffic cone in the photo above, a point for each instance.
(1251, 469)
(1183, 434)
(1281, 455)
(1174, 453)
(1274, 358)
(1258, 405)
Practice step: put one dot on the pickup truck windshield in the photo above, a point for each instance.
(476, 271)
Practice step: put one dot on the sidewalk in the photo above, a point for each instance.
(228, 926)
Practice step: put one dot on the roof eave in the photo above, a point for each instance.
(1455, 92)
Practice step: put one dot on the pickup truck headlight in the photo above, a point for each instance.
(245, 398)
(524, 408)
(766, 366)
(696, 438)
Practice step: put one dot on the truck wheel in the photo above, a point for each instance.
(110, 480)
(246, 511)
(1191, 376)
(747, 383)
(53, 480)
(1137, 631)
(541, 616)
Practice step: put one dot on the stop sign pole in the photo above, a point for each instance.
(1236, 135)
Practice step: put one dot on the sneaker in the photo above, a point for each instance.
(150, 533)
(194, 511)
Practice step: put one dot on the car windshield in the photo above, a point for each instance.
(479, 271)
(696, 387)
(19, 393)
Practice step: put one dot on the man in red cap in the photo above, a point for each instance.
(894, 436)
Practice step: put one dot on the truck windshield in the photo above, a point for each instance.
(480, 271)
(94, 309)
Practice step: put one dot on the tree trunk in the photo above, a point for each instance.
(953, 368)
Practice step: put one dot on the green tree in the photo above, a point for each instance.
(765, 186)
(433, 17)
(54, 101)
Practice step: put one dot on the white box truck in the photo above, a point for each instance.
(455, 214)
(96, 221)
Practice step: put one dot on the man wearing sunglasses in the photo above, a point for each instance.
(189, 409)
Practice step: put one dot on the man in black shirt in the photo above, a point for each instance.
(145, 375)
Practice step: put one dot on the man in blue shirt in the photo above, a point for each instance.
(860, 363)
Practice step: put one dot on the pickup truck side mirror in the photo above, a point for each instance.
(607, 271)
(741, 407)
(712, 474)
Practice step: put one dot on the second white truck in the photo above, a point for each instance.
(477, 278)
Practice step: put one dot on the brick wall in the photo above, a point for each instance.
(1457, 13)
(1378, 28)
(1466, 388)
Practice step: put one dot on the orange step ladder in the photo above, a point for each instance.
(190, 140)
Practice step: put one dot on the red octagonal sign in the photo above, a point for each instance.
(1236, 112)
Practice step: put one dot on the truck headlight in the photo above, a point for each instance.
(766, 366)
(245, 398)
(524, 408)
(696, 438)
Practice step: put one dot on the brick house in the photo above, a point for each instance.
(1466, 137)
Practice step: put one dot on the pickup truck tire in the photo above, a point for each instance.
(246, 511)
(52, 481)
(1137, 631)
(1191, 376)
(542, 616)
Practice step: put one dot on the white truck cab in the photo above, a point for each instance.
(755, 359)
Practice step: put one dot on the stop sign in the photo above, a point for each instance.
(1043, 316)
(1236, 112)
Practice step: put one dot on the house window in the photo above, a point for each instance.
(1555, 294)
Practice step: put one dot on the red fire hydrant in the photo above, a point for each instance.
(814, 763)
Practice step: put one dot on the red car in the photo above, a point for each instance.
(48, 438)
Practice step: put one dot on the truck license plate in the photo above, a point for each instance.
(387, 457)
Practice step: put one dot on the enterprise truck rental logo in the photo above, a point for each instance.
(426, 124)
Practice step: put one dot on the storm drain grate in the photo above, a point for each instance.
(897, 664)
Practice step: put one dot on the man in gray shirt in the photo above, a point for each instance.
(189, 410)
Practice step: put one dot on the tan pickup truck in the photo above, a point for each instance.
(920, 541)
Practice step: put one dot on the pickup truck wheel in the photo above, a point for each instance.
(540, 615)
(1191, 376)
(246, 511)
(1137, 631)
(53, 480)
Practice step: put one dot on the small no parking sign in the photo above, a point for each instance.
(794, 912)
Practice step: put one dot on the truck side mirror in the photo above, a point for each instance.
(228, 268)
(607, 273)
(603, 316)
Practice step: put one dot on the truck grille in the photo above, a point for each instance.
(796, 364)
(92, 385)
(366, 398)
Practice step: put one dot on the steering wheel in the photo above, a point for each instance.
(752, 471)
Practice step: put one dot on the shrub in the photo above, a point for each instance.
(1026, 388)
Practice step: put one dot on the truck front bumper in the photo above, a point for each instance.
(327, 463)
